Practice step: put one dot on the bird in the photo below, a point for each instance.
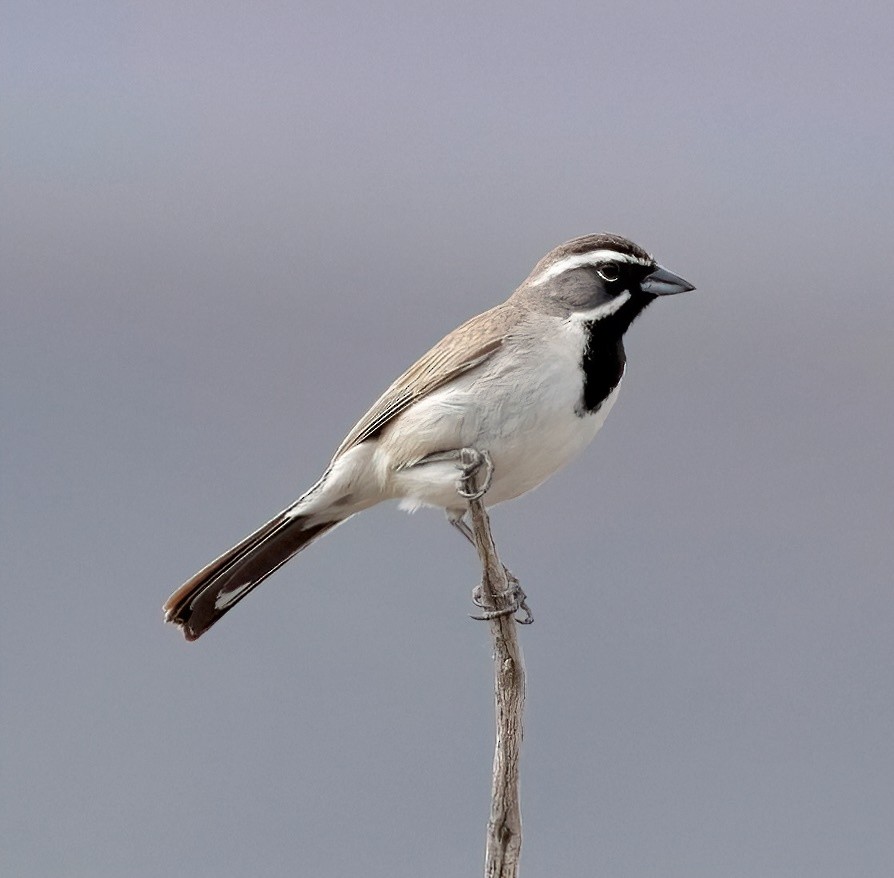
(519, 390)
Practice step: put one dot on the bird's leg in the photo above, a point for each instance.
(472, 460)
(460, 523)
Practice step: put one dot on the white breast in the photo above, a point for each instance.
(521, 406)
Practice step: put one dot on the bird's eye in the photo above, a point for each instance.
(609, 271)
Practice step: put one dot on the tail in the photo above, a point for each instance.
(217, 588)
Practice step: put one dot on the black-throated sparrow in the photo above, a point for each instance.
(525, 386)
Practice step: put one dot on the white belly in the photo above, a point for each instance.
(523, 460)
(522, 410)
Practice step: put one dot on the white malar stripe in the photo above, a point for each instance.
(227, 598)
(604, 310)
(579, 260)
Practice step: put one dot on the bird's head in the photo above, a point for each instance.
(599, 276)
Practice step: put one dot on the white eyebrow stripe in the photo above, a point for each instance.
(579, 260)
(604, 310)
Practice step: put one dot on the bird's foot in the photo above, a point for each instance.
(468, 461)
(471, 460)
(517, 603)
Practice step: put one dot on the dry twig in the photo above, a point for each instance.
(499, 593)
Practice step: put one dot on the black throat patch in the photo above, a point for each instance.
(602, 364)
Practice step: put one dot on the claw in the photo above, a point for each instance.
(518, 603)
(471, 460)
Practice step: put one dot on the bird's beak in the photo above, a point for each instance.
(662, 282)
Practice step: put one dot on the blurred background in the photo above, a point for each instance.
(226, 227)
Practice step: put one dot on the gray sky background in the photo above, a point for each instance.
(226, 227)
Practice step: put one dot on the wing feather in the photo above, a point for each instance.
(468, 346)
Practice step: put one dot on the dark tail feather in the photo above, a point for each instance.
(217, 588)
